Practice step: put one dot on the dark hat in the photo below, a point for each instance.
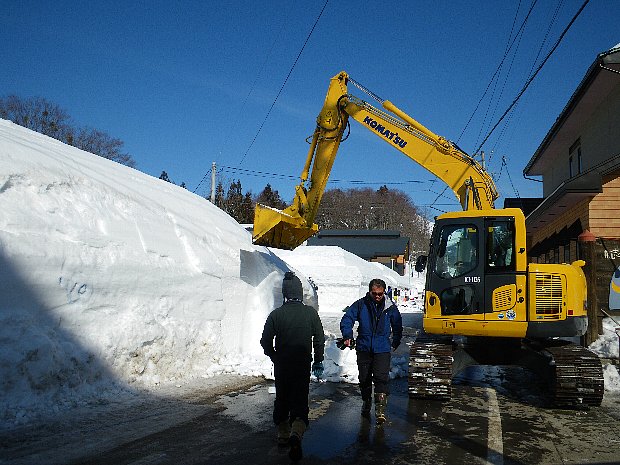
(291, 286)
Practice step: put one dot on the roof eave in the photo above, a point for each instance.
(608, 57)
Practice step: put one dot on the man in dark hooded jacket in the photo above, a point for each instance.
(297, 330)
(376, 315)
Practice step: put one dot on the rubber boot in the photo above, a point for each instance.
(298, 428)
(380, 405)
(284, 433)
(366, 406)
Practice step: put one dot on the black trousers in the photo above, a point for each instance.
(292, 389)
(373, 368)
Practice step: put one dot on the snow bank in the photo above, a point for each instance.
(340, 276)
(114, 280)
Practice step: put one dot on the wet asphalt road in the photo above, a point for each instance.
(496, 416)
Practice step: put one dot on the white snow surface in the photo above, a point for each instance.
(114, 282)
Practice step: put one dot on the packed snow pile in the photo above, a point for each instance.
(340, 276)
(111, 279)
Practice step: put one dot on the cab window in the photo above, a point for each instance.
(500, 247)
(458, 300)
(457, 251)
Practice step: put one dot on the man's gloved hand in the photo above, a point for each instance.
(317, 369)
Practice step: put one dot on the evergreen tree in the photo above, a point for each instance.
(234, 200)
(270, 198)
(164, 177)
(220, 198)
(247, 209)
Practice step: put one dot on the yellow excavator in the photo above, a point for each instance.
(484, 303)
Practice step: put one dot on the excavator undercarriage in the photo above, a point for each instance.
(573, 373)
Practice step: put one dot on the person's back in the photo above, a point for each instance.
(297, 330)
(295, 324)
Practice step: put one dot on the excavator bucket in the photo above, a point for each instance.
(280, 229)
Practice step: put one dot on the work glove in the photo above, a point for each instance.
(317, 369)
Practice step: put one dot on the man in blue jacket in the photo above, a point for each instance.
(376, 315)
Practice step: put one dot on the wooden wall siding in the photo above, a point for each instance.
(578, 212)
(606, 264)
(605, 211)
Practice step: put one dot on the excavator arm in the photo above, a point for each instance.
(290, 227)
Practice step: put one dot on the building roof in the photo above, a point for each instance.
(366, 244)
(358, 232)
(526, 204)
(594, 87)
(564, 197)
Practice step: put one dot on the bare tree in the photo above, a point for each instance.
(100, 143)
(37, 114)
(370, 209)
(48, 118)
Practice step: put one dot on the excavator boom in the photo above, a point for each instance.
(290, 227)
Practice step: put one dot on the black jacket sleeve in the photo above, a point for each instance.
(266, 340)
(318, 338)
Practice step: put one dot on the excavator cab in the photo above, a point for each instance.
(474, 280)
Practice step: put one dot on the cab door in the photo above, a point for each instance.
(456, 268)
(503, 289)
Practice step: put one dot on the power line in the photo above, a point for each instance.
(501, 64)
(250, 92)
(540, 50)
(529, 81)
(284, 83)
(277, 96)
(264, 174)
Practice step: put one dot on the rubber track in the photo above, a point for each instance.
(578, 379)
(430, 370)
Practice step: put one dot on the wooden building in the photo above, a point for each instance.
(579, 161)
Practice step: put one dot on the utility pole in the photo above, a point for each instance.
(213, 182)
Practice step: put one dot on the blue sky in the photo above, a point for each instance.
(184, 84)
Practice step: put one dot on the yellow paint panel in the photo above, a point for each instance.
(503, 328)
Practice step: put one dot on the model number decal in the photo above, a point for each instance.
(473, 279)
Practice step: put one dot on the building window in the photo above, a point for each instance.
(574, 157)
(567, 253)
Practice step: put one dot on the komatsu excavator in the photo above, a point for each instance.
(484, 303)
